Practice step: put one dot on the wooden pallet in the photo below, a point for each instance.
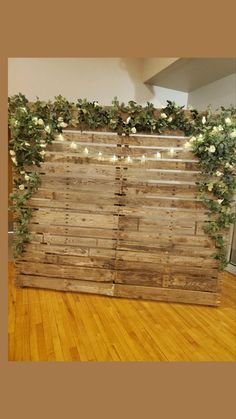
(126, 228)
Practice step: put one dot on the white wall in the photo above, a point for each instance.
(219, 93)
(93, 78)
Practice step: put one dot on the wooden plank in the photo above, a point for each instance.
(65, 284)
(65, 271)
(168, 295)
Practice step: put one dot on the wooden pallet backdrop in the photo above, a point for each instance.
(130, 227)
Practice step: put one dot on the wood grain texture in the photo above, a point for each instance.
(47, 325)
(136, 224)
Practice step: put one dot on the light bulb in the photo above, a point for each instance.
(158, 155)
(73, 145)
(86, 150)
(114, 158)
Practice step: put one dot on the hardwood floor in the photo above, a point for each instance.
(57, 326)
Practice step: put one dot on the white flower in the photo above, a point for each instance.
(163, 115)
(233, 134)
(200, 138)
(73, 145)
(35, 119)
(96, 104)
(33, 162)
(211, 149)
(27, 177)
(48, 129)
(214, 130)
(187, 145)
(128, 119)
(220, 128)
(63, 124)
(22, 172)
(190, 107)
(43, 145)
(170, 119)
(228, 165)
(133, 130)
(218, 173)
(220, 201)
(14, 160)
(12, 153)
(228, 121)
(22, 187)
(192, 139)
(40, 122)
(27, 144)
(60, 119)
(203, 119)
(42, 152)
(16, 123)
(210, 186)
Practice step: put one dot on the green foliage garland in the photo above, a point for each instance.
(212, 141)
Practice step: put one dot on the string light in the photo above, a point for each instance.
(86, 150)
(60, 137)
(114, 158)
(143, 158)
(158, 155)
(73, 145)
(172, 151)
(99, 155)
(129, 160)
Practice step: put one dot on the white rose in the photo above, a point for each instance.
(60, 119)
(218, 173)
(163, 115)
(63, 124)
(133, 130)
(40, 122)
(48, 129)
(22, 187)
(35, 119)
(170, 119)
(220, 201)
(228, 165)
(211, 149)
(22, 172)
(200, 138)
(12, 153)
(27, 177)
(228, 121)
(73, 145)
(14, 160)
(233, 134)
(128, 119)
(187, 144)
(220, 128)
(203, 119)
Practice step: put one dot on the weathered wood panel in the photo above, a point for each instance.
(129, 226)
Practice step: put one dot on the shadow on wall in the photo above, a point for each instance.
(142, 92)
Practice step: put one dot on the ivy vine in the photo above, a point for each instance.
(212, 140)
